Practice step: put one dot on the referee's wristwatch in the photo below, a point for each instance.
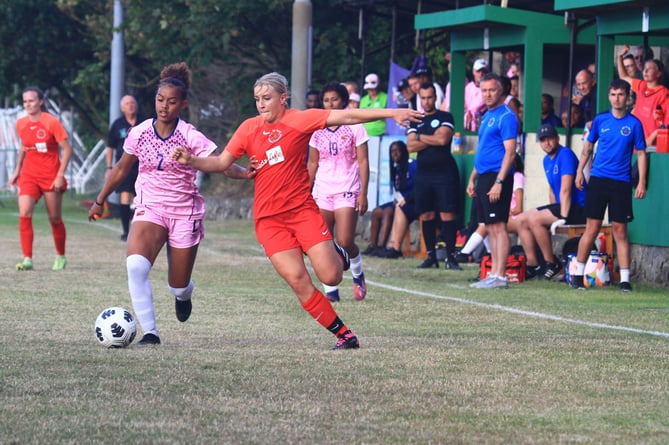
(498, 181)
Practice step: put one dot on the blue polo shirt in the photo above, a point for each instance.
(565, 162)
(618, 137)
(497, 125)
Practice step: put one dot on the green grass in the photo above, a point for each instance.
(439, 363)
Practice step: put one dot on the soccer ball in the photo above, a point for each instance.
(115, 327)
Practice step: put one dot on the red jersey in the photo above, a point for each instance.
(280, 150)
(41, 140)
(647, 100)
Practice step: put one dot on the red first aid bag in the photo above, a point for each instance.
(515, 268)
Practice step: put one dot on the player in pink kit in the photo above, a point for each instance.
(339, 169)
(168, 205)
(288, 222)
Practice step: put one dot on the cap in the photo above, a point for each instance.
(546, 131)
(371, 81)
(402, 84)
(354, 97)
(480, 64)
(423, 70)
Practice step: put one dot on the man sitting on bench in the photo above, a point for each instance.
(566, 206)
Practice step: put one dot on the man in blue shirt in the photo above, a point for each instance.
(566, 205)
(491, 181)
(619, 134)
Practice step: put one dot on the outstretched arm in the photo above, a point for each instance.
(361, 115)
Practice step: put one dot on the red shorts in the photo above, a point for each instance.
(303, 228)
(36, 187)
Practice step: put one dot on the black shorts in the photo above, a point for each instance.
(128, 184)
(437, 192)
(498, 211)
(409, 209)
(616, 195)
(576, 213)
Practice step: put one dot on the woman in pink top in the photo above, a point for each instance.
(168, 206)
(650, 95)
(339, 170)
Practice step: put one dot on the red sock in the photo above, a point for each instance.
(26, 235)
(58, 231)
(321, 309)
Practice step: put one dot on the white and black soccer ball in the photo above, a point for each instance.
(115, 327)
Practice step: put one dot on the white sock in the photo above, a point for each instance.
(486, 243)
(472, 243)
(141, 293)
(356, 266)
(182, 293)
(624, 275)
(580, 268)
(328, 289)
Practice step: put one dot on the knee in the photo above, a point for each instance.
(137, 266)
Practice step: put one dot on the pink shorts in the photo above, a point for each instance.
(337, 201)
(181, 233)
(298, 228)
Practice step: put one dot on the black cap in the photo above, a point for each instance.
(423, 70)
(546, 131)
(402, 84)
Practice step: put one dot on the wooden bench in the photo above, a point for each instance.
(573, 230)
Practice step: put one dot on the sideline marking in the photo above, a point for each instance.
(521, 311)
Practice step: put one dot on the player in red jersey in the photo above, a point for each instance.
(40, 171)
(288, 222)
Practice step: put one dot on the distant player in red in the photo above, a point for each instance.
(40, 171)
(288, 222)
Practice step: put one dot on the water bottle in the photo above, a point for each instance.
(659, 119)
(457, 143)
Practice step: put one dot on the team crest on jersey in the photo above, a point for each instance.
(491, 122)
(434, 123)
(273, 136)
(625, 131)
(274, 155)
(40, 134)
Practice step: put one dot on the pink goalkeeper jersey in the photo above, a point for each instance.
(163, 185)
(338, 169)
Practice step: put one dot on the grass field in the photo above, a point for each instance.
(440, 363)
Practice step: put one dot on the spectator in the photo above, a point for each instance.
(491, 180)
(446, 104)
(585, 94)
(474, 105)
(641, 54)
(437, 186)
(352, 88)
(577, 119)
(117, 134)
(402, 173)
(40, 171)
(313, 99)
(652, 102)
(375, 98)
(480, 235)
(414, 84)
(617, 134)
(565, 205)
(630, 67)
(382, 216)
(548, 116)
(339, 172)
(511, 100)
(354, 100)
(405, 95)
(424, 74)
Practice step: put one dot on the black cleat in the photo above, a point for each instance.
(552, 270)
(183, 309)
(625, 286)
(347, 341)
(429, 263)
(149, 339)
(577, 282)
(343, 255)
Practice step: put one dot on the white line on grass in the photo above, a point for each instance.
(512, 310)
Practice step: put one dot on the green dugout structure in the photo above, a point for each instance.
(553, 43)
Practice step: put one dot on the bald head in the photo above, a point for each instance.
(584, 82)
